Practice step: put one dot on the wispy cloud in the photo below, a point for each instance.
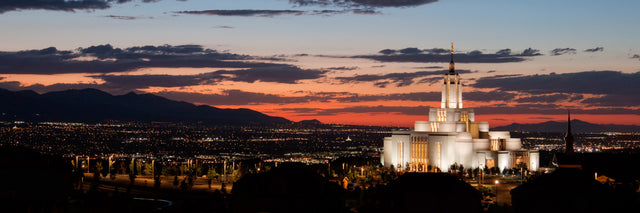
(596, 49)
(128, 17)
(259, 13)
(399, 79)
(107, 59)
(614, 88)
(361, 3)
(546, 109)
(61, 5)
(223, 27)
(239, 97)
(275, 73)
(433, 55)
(562, 51)
(273, 13)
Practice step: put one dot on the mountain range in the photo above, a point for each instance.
(92, 105)
(577, 126)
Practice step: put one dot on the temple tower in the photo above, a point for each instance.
(452, 88)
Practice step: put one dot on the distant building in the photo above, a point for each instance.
(453, 137)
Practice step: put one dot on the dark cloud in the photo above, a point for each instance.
(128, 17)
(615, 88)
(361, 3)
(436, 51)
(530, 52)
(232, 97)
(591, 82)
(419, 110)
(410, 50)
(488, 96)
(60, 5)
(562, 51)
(111, 60)
(596, 49)
(430, 67)
(275, 73)
(545, 98)
(437, 55)
(259, 13)
(285, 74)
(238, 97)
(133, 82)
(342, 68)
(635, 56)
(504, 52)
(273, 13)
(399, 79)
(387, 51)
(613, 100)
(548, 109)
(430, 80)
(223, 27)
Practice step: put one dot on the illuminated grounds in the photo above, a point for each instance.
(348, 155)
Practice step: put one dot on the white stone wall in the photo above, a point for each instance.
(389, 152)
(401, 143)
(534, 160)
(499, 134)
(442, 150)
(513, 144)
(422, 126)
(504, 160)
(481, 144)
(464, 149)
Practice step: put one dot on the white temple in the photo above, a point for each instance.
(453, 137)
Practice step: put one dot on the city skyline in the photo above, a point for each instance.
(351, 62)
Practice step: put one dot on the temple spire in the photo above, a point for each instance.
(568, 138)
(452, 68)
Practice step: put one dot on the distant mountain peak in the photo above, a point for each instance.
(312, 121)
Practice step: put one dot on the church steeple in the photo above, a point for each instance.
(452, 66)
(568, 138)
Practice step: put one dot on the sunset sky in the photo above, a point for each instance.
(368, 62)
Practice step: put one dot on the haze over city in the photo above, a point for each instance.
(347, 61)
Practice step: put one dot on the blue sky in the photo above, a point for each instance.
(332, 47)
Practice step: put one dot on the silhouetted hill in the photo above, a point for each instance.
(92, 105)
(576, 126)
(310, 122)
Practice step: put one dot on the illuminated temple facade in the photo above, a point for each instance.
(453, 137)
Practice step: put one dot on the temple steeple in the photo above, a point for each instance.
(568, 138)
(452, 88)
(452, 66)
